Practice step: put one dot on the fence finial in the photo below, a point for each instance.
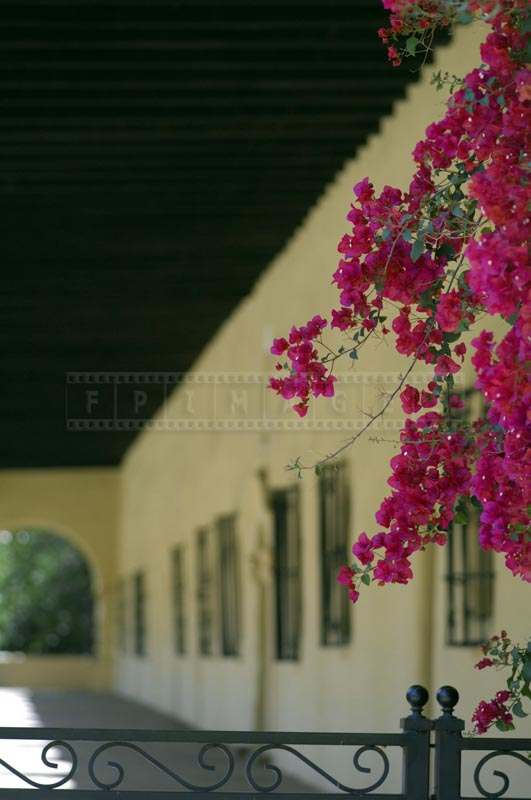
(417, 697)
(448, 698)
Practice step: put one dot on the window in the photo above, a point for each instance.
(139, 594)
(178, 569)
(334, 520)
(204, 592)
(470, 569)
(121, 616)
(470, 582)
(287, 563)
(229, 585)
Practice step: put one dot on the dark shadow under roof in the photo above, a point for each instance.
(156, 154)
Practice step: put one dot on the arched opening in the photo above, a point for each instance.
(46, 595)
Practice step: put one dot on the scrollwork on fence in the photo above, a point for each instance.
(418, 735)
(162, 767)
(48, 763)
(478, 778)
(259, 787)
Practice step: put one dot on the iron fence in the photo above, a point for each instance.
(235, 765)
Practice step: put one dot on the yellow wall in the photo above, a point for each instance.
(174, 482)
(82, 506)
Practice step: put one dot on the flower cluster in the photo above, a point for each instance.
(501, 710)
(310, 376)
(493, 712)
(449, 249)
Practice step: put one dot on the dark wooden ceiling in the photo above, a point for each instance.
(155, 155)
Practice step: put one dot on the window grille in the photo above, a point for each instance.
(334, 519)
(470, 569)
(470, 581)
(178, 571)
(121, 615)
(229, 585)
(204, 592)
(139, 590)
(285, 505)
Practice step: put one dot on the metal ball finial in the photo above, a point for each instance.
(448, 698)
(417, 697)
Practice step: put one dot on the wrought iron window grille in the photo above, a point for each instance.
(96, 762)
(178, 592)
(121, 615)
(205, 599)
(285, 506)
(334, 523)
(470, 573)
(139, 606)
(229, 585)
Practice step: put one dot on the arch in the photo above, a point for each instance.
(51, 526)
(69, 625)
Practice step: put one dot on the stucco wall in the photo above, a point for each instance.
(174, 482)
(82, 506)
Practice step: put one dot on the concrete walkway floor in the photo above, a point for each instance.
(79, 709)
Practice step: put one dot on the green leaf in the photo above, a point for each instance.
(518, 710)
(426, 299)
(366, 578)
(411, 45)
(526, 24)
(503, 726)
(354, 355)
(418, 248)
(465, 18)
(526, 670)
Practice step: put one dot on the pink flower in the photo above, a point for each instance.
(353, 595)
(410, 399)
(364, 190)
(342, 319)
(345, 575)
(449, 311)
(456, 402)
(301, 409)
(485, 662)
(445, 366)
(363, 549)
(427, 399)
(279, 346)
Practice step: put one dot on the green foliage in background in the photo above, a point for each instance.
(46, 602)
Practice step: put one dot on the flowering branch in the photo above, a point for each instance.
(450, 250)
(500, 652)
